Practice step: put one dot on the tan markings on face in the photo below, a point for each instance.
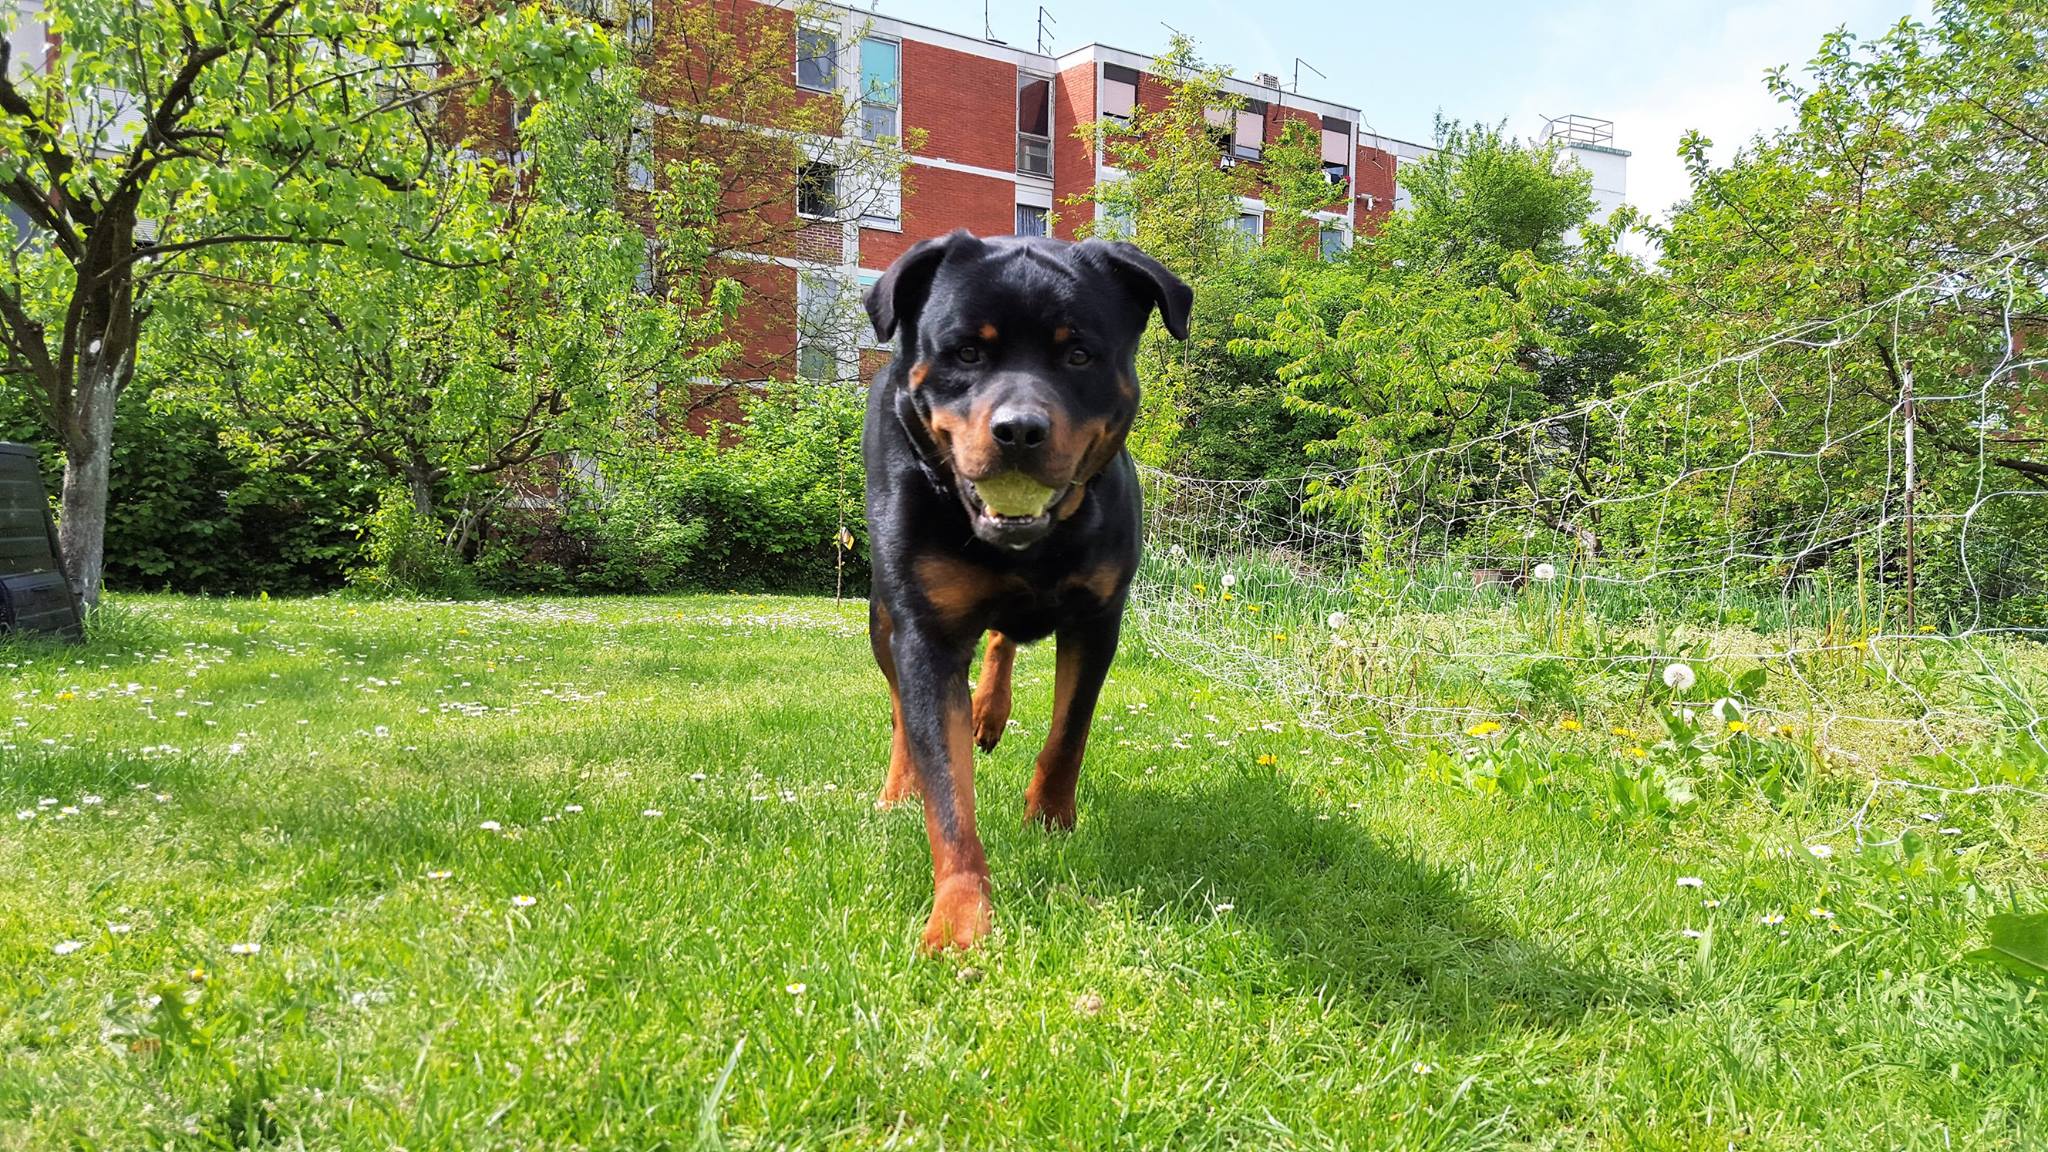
(1127, 388)
(964, 439)
(918, 372)
(1071, 503)
(1060, 334)
(988, 332)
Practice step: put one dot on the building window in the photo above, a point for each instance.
(1336, 150)
(1248, 140)
(881, 89)
(817, 59)
(639, 23)
(820, 326)
(1249, 226)
(1031, 220)
(1034, 124)
(647, 279)
(817, 189)
(1119, 91)
(1333, 241)
(640, 151)
(1117, 223)
(864, 332)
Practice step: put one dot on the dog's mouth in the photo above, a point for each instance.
(1010, 509)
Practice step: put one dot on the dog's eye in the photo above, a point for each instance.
(1078, 357)
(968, 354)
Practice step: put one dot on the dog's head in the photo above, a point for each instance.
(1021, 355)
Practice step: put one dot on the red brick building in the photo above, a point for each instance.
(995, 152)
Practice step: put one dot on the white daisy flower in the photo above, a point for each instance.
(1691, 882)
(67, 947)
(249, 949)
(650, 813)
(490, 826)
(523, 901)
(1821, 851)
(796, 989)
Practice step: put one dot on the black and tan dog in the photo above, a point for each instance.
(1001, 500)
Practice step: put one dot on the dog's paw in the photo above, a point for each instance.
(1053, 812)
(961, 914)
(900, 786)
(989, 724)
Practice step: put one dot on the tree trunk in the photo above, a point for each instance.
(82, 523)
(82, 508)
(420, 482)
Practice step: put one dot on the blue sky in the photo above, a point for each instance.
(1655, 67)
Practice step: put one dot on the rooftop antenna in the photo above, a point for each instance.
(1299, 64)
(988, 30)
(1044, 35)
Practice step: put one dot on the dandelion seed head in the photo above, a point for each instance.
(1679, 677)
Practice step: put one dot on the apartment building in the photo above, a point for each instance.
(997, 153)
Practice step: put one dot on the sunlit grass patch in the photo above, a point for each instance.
(606, 873)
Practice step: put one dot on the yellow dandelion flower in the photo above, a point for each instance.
(1282, 636)
(1737, 726)
(1926, 628)
(1483, 728)
(1200, 588)
(1268, 760)
(1569, 725)
(1254, 607)
(1636, 753)
(1860, 645)
(1624, 733)
(1229, 596)
(67, 695)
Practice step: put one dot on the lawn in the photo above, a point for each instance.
(606, 874)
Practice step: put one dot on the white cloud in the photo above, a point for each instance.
(1661, 70)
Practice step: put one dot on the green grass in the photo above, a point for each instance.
(1338, 948)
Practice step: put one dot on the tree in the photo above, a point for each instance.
(454, 380)
(160, 132)
(1468, 312)
(1918, 158)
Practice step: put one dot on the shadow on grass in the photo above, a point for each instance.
(1340, 908)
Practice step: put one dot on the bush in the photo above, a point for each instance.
(754, 505)
(185, 515)
(409, 555)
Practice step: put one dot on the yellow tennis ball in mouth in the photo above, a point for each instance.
(1013, 494)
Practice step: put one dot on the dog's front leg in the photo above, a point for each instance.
(1086, 650)
(931, 674)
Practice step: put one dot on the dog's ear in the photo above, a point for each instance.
(895, 300)
(1173, 297)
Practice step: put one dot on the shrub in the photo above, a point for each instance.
(408, 554)
(753, 505)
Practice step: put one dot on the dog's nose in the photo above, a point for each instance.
(1019, 426)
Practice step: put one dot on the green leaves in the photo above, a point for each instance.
(2019, 944)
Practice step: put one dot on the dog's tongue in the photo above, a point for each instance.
(1013, 494)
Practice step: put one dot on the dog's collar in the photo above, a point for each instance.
(921, 447)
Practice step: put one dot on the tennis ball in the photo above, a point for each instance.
(1013, 494)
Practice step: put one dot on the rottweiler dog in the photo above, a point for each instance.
(1001, 500)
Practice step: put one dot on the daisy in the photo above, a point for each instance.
(67, 947)
(1821, 851)
(523, 901)
(1771, 919)
(1691, 882)
(650, 813)
(245, 949)
(796, 989)
(491, 826)
(439, 874)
